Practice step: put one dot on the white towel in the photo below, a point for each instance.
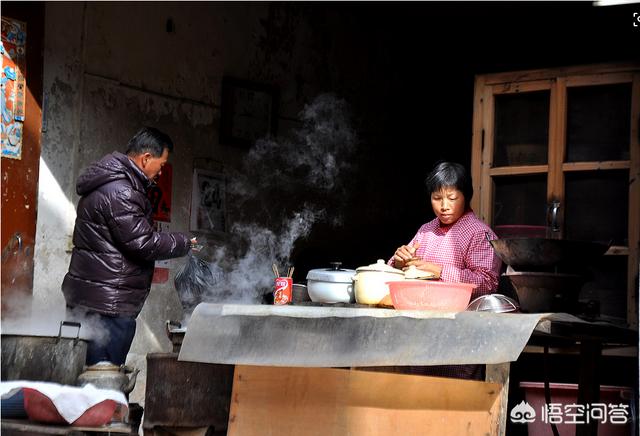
(71, 401)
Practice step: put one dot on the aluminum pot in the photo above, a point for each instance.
(55, 359)
(331, 285)
(370, 282)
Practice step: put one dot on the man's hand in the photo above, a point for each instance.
(195, 246)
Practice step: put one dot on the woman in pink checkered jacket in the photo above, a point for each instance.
(453, 246)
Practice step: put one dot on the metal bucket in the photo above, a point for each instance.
(55, 359)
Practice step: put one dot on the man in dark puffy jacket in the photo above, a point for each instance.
(115, 244)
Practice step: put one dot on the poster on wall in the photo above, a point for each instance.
(13, 86)
(208, 208)
(160, 195)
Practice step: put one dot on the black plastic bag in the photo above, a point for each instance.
(193, 281)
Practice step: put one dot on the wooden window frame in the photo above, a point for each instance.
(557, 81)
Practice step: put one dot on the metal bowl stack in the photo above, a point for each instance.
(496, 303)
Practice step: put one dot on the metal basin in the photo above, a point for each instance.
(496, 303)
(546, 292)
(522, 253)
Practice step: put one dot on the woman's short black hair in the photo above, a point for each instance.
(151, 140)
(445, 174)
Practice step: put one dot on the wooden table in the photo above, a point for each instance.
(282, 387)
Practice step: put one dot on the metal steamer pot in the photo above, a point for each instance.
(55, 359)
(370, 283)
(331, 285)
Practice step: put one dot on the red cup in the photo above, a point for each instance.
(283, 290)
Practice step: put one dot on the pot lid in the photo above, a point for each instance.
(380, 266)
(333, 274)
(103, 366)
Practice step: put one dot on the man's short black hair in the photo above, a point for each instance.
(445, 174)
(149, 139)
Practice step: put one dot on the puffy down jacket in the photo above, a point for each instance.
(115, 245)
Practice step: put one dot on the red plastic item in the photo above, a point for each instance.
(430, 295)
(41, 409)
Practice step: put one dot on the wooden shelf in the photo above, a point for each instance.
(595, 166)
(519, 170)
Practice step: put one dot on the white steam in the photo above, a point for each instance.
(25, 318)
(282, 190)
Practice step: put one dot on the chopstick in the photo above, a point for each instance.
(274, 268)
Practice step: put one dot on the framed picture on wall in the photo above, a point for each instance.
(208, 202)
(248, 111)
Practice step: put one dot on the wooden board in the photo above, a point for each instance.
(22, 426)
(327, 401)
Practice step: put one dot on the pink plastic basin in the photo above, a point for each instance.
(430, 295)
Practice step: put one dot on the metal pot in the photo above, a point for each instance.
(331, 285)
(55, 359)
(370, 282)
(546, 292)
(105, 375)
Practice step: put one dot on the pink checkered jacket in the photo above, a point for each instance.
(463, 251)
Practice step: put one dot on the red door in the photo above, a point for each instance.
(19, 165)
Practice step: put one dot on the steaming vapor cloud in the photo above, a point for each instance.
(282, 189)
(314, 157)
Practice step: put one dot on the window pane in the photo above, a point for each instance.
(521, 129)
(520, 200)
(598, 122)
(597, 206)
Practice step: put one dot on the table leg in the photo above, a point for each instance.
(499, 373)
(589, 383)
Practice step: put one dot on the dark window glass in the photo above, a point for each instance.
(521, 129)
(520, 200)
(597, 206)
(598, 122)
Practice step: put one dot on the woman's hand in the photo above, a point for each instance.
(404, 254)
